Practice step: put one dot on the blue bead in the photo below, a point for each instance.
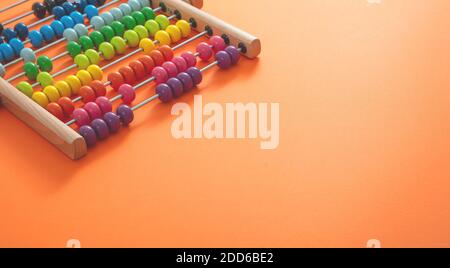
(91, 11)
(77, 17)
(36, 38)
(68, 22)
(58, 27)
(1, 40)
(21, 30)
(58, 12)
(80, 5)
(17, 46)
(9, 34)
(48, 33)
(7, 51)
(2, 58)
(68, 7)
(92, 2)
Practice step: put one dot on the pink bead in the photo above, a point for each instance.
(171, 68)
(93, 110)
(160, 74)
(218, 43)
(205, 51)
(190, 58)
(128, 93)
(181, 64)
(82, 117)
(104, 104)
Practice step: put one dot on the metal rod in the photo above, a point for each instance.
(13, 5)
(142, 104)
(17, 18)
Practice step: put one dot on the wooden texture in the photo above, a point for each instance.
(56, 132)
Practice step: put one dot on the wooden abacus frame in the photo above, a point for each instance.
(67, 139)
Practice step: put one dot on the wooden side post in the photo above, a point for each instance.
(56, 132)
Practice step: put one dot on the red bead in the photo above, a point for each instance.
(93, 110)
(138, 68)
(148, 63)
(171, 68)
(116, 80)
(56, 110)
(167, 52)
(218, 43)
(157, 57)
(99, 88)
(87, 94)
(67, 106)
(128, 74)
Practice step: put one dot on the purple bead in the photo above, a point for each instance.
(196, 75)
(234, 53)
(126, 114)
(186, 79)
(176, 86)
(224, 59)
(101, 128)
(88, 133)
(165, 92)
(113, 122)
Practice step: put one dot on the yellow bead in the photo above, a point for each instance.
(40, 98)
(74, 83)
(63, 88)
(174, 32)
(52, 93)
(163, 37)
(147, 45)
(107, 49)
(95, 71)
(185, 27)
(119, 44)
(85, 77)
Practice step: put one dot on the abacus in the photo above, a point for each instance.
(74, 113)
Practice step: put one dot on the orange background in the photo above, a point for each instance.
(364, 144)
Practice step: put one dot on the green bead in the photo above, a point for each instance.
(108, 33)
(94, 57)
(119, 44)
(45, 79)
(129, 22)
(31, 70)
(82, 61)
(132, 38)
(141, 31)
(45, 64)
(138, 17)
(97, 38)
(163, 21)
(86, 42)
(25, 88)
(152, 27)
(148, 13)
(107, 50)
(73, 48)
(118, 28)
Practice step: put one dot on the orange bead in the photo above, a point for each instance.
(99, 88)
(157, 57)
(67, 105)
(148, 63)
(167, 52)
(116, 79)
(138, 68)
(128, 74)
(56, 110)
(87, 93)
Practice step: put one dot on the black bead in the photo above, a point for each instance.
(39, 10)
(49, 4)
(101, 2)
(1, 28)
(59, 2)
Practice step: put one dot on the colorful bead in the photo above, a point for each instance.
(7, 52)
(186, 79)
(125, 114)
(127, 92)
(90, 11)
(97, 38)
(234, 54)
(141, 31)
(86, 42)
(113, 121)
(104, 104)
(157, 57)
(67, 21)
(148, 63)
(58, 12)
(57, 27)
(163, 37)
(36, 38)
(116, 13)
(171, 68)
(148, 13)
(125, 8)
(48, 33)
(147, 45)
(205, 51)
(97, 22)
(81, 29)
(94, 57)
(98, 87)
(128, 74)
(82, 61)
(52, 93)
(138, 17)
(107, 17)
(163, 21)
(107, 50)
(174, 32)
(25, 88)
(134, 4)
(118, 28)
(89, 135)
(108, 32)
(16, 45)
(22, 30)
(70, 34)
(77, 17)
(164, 92)
(56, 110)
(28, 55)
(160, 74)
(101, 128)
(177, 87)
(93, 110)
(74, 83)
(128, 21)
(138, 68)
(223, 59)
(116, 79)
(68, 7)
(184, 27)
(73, 48)
(31, 70)
(81, 116)
(45, 64)
(45, 79)
(218, 43)
(67, 106)
(132, 38)
(40, 98)
(87, 94)
(152, 27)
(85, 77)
(9, 34)
(39, 10)
(95, 71)
(196, 75)
(181, 63)
(167, 52)
(63, 88)
(190, 58)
